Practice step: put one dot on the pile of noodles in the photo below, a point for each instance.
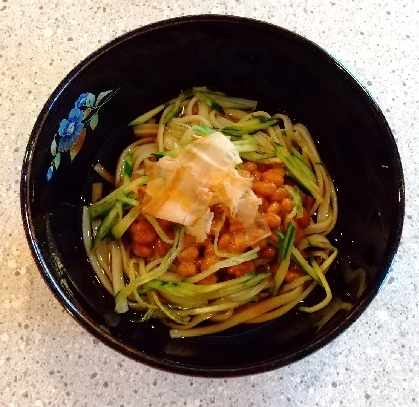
(154, 288)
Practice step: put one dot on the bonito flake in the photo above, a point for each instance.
(183, 189)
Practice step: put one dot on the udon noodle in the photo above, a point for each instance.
(219, 216)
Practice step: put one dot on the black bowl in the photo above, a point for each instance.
(244, 58)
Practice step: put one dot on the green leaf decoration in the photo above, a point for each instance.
(54, 147)
(101, 96)
(94, 121)
(57, 160)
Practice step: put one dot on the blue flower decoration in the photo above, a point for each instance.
(50, 172)
(85, 100)
(70, 129)
(81, 101)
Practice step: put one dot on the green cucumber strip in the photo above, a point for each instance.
(128, 168)
(176, 107)
(159, 230)
(231, 261)
(279, 234)
(171, 313)
(286, 243)
(144, 291)
(169, 153)
(300, 261)
(207, 292)
(202, 130)
(148, 115)
(128, 201)
(168, 259)
(234, 103)
(305, 180)
(253, 156)
(171, 114)
(103, 206)
(296, 197)
(246, 145)
(298, 183)
(191, 289)
(206, 89)
(299, 161)
(284, 257)
(121, 227)
(207, 99)
(207, 309)
(226, 102)
(158, 155)
(249, 126)
(324, 284)
(113, 216)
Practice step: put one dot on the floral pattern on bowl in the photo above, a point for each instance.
(72, 130)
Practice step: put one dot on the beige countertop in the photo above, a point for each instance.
(47, 359)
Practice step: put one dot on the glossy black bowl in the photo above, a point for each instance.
(86, 117)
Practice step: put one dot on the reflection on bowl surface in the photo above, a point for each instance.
(86, 118)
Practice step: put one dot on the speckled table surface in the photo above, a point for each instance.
(47, 359)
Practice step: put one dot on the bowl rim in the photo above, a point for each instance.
(71, 305)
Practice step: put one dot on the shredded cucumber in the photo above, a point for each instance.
(224, 306)
(299, 170)
(296, 197)
(128, 168)
(254, 156)
(170, 153)
(298, 259)
(209, 101)
(210, 291)
(324, 284)
(169, 312)
(224, 101)
(249, 126)
(102, 206)
(148, 115)
(284, 257)
(121, 227)
(113, 216)
(228, 102)
(127, 201)
(246, 145)
(206, 89)
(202, 130)
(155, 273)
(162, 234)
(299, 161)
(240, 258)
(177, 106)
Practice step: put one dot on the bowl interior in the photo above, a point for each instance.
(244, 58)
